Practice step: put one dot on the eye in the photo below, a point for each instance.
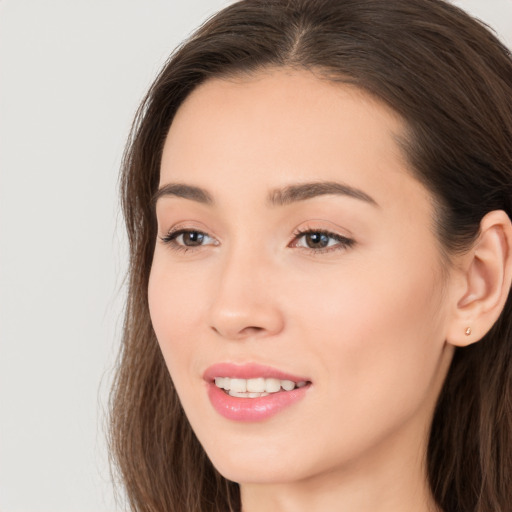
(184, 239)
(320, 240)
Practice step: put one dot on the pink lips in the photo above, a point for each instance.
(251, 409)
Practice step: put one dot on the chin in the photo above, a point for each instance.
(244, 472)
(254, 464)
(263, 462)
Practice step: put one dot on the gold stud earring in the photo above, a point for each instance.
(468, 331)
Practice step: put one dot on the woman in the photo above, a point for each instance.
(318, 199)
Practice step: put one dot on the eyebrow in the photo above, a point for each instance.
(277, 197)
(304, 191)
(184, 191)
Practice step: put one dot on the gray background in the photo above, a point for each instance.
(72, 73)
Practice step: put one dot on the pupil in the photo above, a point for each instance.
(317, 240)
(193, 238)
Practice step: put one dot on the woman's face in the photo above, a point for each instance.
(296, 250)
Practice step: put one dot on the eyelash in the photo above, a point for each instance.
(170, 239)
(342, 241)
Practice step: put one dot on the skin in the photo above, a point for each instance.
(366, 322)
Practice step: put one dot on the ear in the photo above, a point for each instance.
(484, 281)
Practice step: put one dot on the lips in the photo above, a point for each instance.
(252, 392)
(248, 371)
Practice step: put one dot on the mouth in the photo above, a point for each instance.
(256, 387)
(252, 392)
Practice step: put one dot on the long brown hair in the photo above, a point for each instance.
(450, 79)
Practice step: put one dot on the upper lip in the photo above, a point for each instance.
(248, 371)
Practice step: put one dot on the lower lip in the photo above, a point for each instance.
(253, 409)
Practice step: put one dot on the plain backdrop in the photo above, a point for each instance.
(72, 73)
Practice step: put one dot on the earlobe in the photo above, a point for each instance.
(486, 281)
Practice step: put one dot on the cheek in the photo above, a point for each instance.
(174, 310)
(364, 303)
(397, 307)
(378, 334)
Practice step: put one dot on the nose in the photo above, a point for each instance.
(246, 302)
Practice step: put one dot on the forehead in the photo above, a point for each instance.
(282, 107)
(251, 134)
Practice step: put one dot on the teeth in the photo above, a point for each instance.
(222, 382)
(238, 385)
(287, 385)
(255, 395)
(254, 388)
(272, 385)
(256, 385)
(247, 395)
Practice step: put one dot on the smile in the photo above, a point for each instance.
(256, 387)
(253, 392)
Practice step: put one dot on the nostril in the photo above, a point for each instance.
(252, 330)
